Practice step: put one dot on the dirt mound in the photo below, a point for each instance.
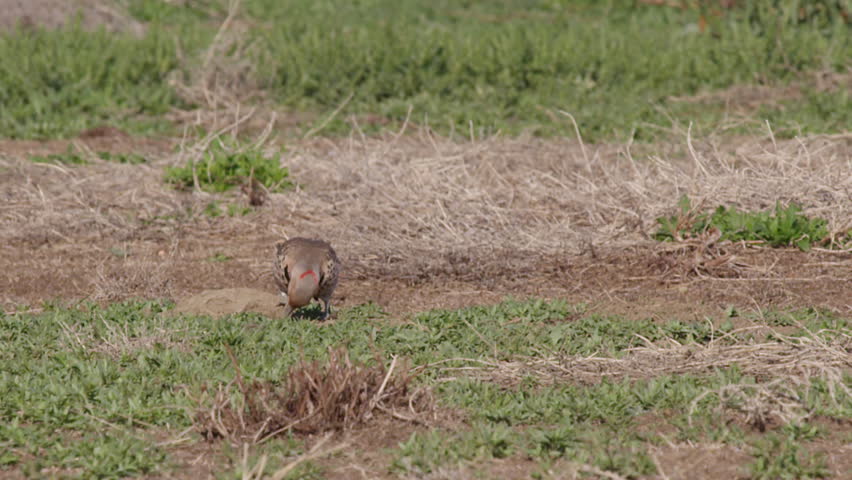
(54, 14)
(226, 301)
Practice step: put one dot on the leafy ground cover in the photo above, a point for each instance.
(514, 65)
(778, 228)
(225, 164)
(467, 67)
(134, 369)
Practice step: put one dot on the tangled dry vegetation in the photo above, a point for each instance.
(315, 397)
(417, 205)
(790, 362)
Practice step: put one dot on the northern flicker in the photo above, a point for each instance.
(305, 269)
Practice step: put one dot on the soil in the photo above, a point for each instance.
(228, 301)
(747, 99)
(117, 247)
(702, 461)
(616, 282)
(55, 14)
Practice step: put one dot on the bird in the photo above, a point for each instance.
(305, 269)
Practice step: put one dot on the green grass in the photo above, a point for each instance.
(817, 112)
(73, 157)
(70, 157)
(226, 165)
(53, 84)
(508, 66)
(272, 456)
(132, 370)
(214, 209)
(600, 425)
(512, 65)
(782, 457)
(124, 158)
(780, 227)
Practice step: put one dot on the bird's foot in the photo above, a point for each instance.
(326, 309)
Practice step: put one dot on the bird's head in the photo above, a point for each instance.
(304, 285)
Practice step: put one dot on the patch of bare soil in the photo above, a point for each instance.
(55, 14)
(369, 451)
(227, 301)
(515, 467)
(749, 98)
(425, 223)
(98, 139)
(701, 461)
(835, 444)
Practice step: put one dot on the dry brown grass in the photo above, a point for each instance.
(405, 195)
(117, 341)
(224, 81)
(781, 368)
(315, 397)
(416, 206)
(810, 356)
(145, 278)
(427, 202)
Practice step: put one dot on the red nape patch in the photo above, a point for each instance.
(309, 272)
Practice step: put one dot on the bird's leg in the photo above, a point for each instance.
(288, 310)
(326, 308)
(284, 299)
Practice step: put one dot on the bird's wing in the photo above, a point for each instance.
(331, 268)
(279, 266)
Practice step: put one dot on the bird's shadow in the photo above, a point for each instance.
(312, 312)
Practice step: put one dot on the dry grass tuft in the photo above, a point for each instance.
(701, 256)
(811, 356)
(225, 79)
(413, 206)
(761, 404)
(782, 369)
(431, 204)
(314, 397)
(116, 341)
(133, 279)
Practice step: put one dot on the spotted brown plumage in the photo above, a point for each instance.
(305, 269)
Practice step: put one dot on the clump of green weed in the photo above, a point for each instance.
(213, 209)
(423, 452)
(70, 157)
(225, 165)
(220, 257)
(126, 158)
(778, 457)
(238, 210)
(779, 228)
(553, 442)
